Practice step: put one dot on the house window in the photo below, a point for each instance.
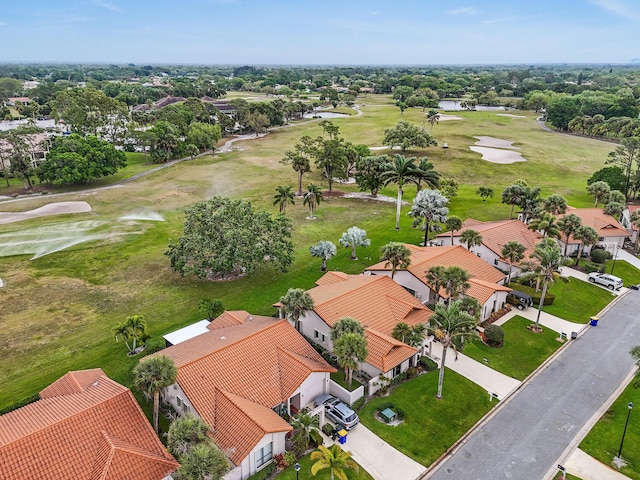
(181, 405)
(495, 261)
(264, 455)
(396, 371)
(316, 334)
(323, 338)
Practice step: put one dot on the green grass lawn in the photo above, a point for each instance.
(305, 462)
(576, 300)
(339, 378)
(58, 310)
(629, 274)
(523, 351)
(430, 425)
(603, 441)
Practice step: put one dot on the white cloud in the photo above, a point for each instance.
(619, 7)
(107, 5)
(463, 11)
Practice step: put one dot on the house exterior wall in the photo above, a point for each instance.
(248, 465)
(345, 395)
(176, 397)
(316, 384)
(495, 302)
(310, 323)
(409, 281)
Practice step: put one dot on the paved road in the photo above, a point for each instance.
(528, 435)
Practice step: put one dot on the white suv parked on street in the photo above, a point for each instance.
(606, 280)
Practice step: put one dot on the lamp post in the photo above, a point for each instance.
(630, 407)
(297, 467)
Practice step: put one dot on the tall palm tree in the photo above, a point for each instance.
(587, 236)
(325, 250)
(550, 258)
(185, 432)
(456, 282)
(283, 196)
(401, 331)
(346, 325)
(435, 277)
(399, 171)
(599, 191)
(152, 375)
(312, 198)
(529, 202)
(514, 252)
(452, 224)
(429, 206)
(433, 116)
(300, 164)
(471, 238)
(568, 225)
(545, 223)
(333, 458)
(396, 255)
(425, 173)
(512, 195)
(555, 204)
(351, 350)
(453, 327)
(294, 304)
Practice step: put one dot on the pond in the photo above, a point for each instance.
(455, 106)
(325, 115)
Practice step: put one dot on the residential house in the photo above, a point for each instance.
(37, 145)
(379, 304)
(13, 101)
(240, 376)
(611, 233)
(85, 426)
(625, 221)
(486, 282)
(495, 235)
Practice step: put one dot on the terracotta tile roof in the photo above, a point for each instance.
(233, 317)
(385, 352)
(86, 426)
(496, 235)
(229, 372)
(332, 277)
(482, 291)
(604, 224)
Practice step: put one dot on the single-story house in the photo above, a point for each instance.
(625, 221)
(485, 282)
(13, 101)
(240, 376)
(379, 304)
(611, 233)
(85, 426)
(495, 235)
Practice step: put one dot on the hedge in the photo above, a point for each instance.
(549, 298)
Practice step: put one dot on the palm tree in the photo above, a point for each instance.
(325, 250)
(354, 237)
(599, 191)
(568, 225)
(396, 255)
(514, 252)
(529, 202)
(587, 236)
(429, 206)
(300, 164)
(294, 304)
(204, 461)
(283, 196)
(185, 432)
(134, 328)
(305, 430)
(425, 173)
(452, 224)
(346, 325)
(550, 258)
(485, 192)
(433, 116)
(555, 204)
(333, 458)
(400, 170)
(435, 277)
(312, 197)
(471, 238)
(512, 195)
(456, 281)
(152, 375)
(453, 327)
(351, 350)
(401, 331)
(545, 223)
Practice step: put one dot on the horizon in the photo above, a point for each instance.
(249, 32)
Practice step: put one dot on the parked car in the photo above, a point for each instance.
(519, 299)
(606, 280)
(337, 411)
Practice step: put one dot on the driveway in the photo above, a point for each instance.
(527, 434)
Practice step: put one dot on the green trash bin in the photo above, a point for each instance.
(593, 321)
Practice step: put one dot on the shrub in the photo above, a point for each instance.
(289, 457)
(592, 267)
(411, 372)
(327, 429)
(599, 256)
(549, 298)
(357, 405)
(494, 335)
(428, 364)
(399, 378)
(280, 461)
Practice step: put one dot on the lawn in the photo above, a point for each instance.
(305, 462)
(523, 351)
(603, 441)
(629, 274)
(576, 300)
(430, 425)
(339, 378)
(58, 310)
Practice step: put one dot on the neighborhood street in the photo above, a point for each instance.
(527, 436)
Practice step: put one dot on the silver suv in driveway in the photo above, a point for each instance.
(606, 280)
(337, 411)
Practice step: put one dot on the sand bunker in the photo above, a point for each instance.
(56, 208)
(494, 142)
(510, 115)
(496, 155)
(444, 117)
(384, 147)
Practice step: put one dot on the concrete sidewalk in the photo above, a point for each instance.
(586, 467)
(480, 374)
(381, 460)
(546, 320)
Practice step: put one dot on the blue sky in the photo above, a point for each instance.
(320, 32)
